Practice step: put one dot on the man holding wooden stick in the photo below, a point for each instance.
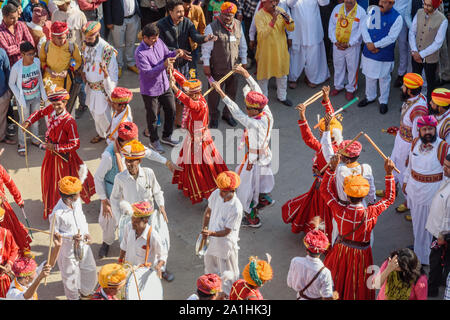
(8, 254)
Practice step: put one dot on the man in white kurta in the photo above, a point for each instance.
(344, 31)
(221, 223)
(379, 34)
(256, 174)
(422, 179)
(99, 55)
(308, 49)
(79, 276)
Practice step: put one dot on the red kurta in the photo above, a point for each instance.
(10, 221)
(99, 295)
(62, 132)
(200, 160)
(300, 210)
(348, 264)
(242, 291)
(8, 254)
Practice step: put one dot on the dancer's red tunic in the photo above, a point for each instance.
(349, 260)
(299, 211)
(8, 254)
(200, 160)
(62, 132)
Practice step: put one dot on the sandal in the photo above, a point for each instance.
(97, 139)
(21, 151)
(8, 141)
(146, 133)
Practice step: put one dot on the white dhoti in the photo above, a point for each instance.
(422, 238)
(108, 226)
(214, 264)
(281, 87)
(78, 276)
(95, 99)
(399, 155)
(311, 58)
(160, 225)
(346, 62)
(253, 182)
(377, 70)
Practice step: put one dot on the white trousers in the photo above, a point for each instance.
(102, 122)
(78, 276)
(371, 88)
(253, 182)
(218, 266)
(346, 62)
(404, 62)
(124, 38)
(422, 238)
(281, 87)
(311, 58)
(108, 226)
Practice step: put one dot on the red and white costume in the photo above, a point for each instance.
(242, 291)
(62, 132)
(8, 254)
(443, 127)
(200, 160)
(348, 260)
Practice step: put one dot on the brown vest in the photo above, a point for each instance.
(225, 53)
(426, 32)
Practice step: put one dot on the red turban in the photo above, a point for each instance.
(24, 267)
(441, 97)
(436, 3)
(142, 209)
(128, 131)
(352, 151)
(121, 95)
(316, 241)
(59, 28)
(59, 94)
(256, 100)
(209, 283)
(424, 121)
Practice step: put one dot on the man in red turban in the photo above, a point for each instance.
(120, 103)
(209, 287)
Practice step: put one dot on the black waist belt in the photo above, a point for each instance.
(128, 17)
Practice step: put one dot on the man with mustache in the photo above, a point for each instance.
(440, 108)
(422, 179)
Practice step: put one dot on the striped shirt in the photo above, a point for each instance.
(11, 42)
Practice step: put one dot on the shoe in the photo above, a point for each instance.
(292, 84)
(156, 145)
(8, 141)
(335, 92)
(230, 120)
(79, 111)
(349, 95)
(364, 102)
(380, 193)
(168, 276)
(402, 208)
(251, 223)
(398, 82)
(286, 102)
(120, 72)
(433, 292)
(168, 140)
(11, 130)
(383, 108)
(103, 252)
(408, 217)
(309, 83)
(96, 139)
(83, 297)
(214, 124)
(133, 69)
(265, 201)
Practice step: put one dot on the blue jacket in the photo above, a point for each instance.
(5, 69)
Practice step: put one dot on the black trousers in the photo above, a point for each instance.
(430, 75)
(152, 106)
(214, 99)
(247, 24)
(439, 266)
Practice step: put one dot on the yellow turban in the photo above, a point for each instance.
(334, 124)
(441, 97)
(133, 150)
(192, 86)
(356, 186)
(70, 185)
(257, 271)
(412, 80)
(228, 181)
(112, 275)
(228, 7)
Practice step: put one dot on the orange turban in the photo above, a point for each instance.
(142, 209)
(228, 181)
(70, 185)
(2, 213)
(133, 150)
(257, 271)
(228, 7)
(356, 186)
(441, 97)
(112, 275)
(412, 80)
(192, 86)
(334, 124)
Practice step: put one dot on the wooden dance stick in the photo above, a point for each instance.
(135, 281)
(313, 98)
(25, 142)
(378, 150)
(37, 138)
(341, 150)
(47, 232)
(225, 77)
(51, 242)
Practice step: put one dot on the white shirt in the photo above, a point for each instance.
(144, 188)
(404, 8)
(224, 215)
(207, 48)
(135, 247)
(355, 36)
(106, 165)
(193, 297)
(16, 294)
(306, 15)
(435, 45)
(259, 130)
(128, 7)
(116, 121)
(301, 272)
(439, 216)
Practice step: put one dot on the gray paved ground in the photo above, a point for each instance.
(293, 178)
